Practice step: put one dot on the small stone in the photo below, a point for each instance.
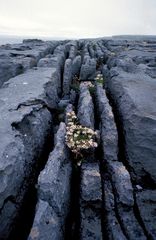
(139, 187)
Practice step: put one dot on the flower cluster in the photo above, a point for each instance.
(78, 138)
(99, 78)
(87, 84)
(90, 86)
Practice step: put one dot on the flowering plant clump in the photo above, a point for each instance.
(99, 78)
(90, 86)
(78, 138)
(87, 84)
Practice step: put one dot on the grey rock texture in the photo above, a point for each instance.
(122, 184)
(57, 61)
(124, 199)
(9, 68)
(76, 65)
(116, 201)
(88, 69)
(85, 107)
(118, 190)
(73, 96)
(53, 62)
(25, 124)
(134, 95)
(54, 192)
(113, 228)
(46, 224)
(146, 202)
(16, 58)
(73, 49)
(90, 202)
(109, 136)
(67, 77)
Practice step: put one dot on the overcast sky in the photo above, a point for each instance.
(80, 18)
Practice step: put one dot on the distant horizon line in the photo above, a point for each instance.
(72, 38)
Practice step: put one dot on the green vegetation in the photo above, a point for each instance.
(78, 138)
(75, 84)
(99, 79)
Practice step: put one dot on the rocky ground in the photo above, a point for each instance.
(43, 194)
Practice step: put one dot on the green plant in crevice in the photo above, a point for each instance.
(79, 138)
(75, 85)
(90, 86)
(99, 79)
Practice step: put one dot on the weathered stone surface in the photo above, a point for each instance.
(73, 96)
(28, 89)
(88, 69)
(109, 136)
(60, 53)
(117, 45)
(8, 69)
(124, 199)
(92, 51)
(90, 228)
(46, 225)
(113, 228)
(149, 70)
(16, 58)
(124, 211)
(54, 191)
(91, 183)
(67, 77)
(46, 62)
(73, 49)
(131, 227)
(90, 202)
(105, 71)
(122, 184)
(146, 203)
(26, 62)
(140, 55)
(18, 153)
(63, 104)
(127, 64)
(69, 108)
(85, 107)
(25, 125)
(55, 61)
(134, 98)
(76, 65)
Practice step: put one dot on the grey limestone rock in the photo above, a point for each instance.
(123, 191)
(134, 98)
(146, 203)
(90, 202)
(122, 184)
(76, 65)
(46, 225)
(109, 135)
(8, 69)
(88, 69)
(73, 50)
(67, 77)
(25, 125)
(54, 191)
(85, 107)
(16, 58)
(113, 228)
